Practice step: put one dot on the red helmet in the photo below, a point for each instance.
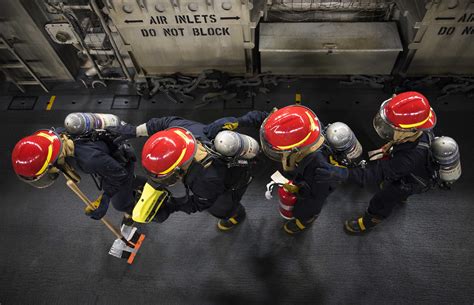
(408, 111)
(289, 129)
(166, 153)
(34, 155)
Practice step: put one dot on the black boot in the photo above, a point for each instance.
(233, 221)
(296, 226)
(362, 224)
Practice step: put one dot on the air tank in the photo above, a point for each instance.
(233, 144)
(343, 140)
(84, 122)
(446, 154)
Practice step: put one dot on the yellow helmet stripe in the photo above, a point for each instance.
(312, 128)
(50, 152)
(47, 136)
(182, 135)
(296, 144)
(416, 124)
(311, 119)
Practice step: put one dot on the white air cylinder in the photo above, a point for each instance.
(233, 144)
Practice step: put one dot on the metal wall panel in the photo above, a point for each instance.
(444, 42)
(329, 48)
(185, 36)
(28, 40)
(329, 10)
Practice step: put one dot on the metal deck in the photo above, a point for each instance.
(52, 254)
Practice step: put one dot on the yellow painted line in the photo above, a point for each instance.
(298, 98)
(49, 105)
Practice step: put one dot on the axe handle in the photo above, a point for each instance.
(73, 186)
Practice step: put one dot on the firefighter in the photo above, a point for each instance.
(402, 167)
(39, 159)
(293, 136)
(180, 150)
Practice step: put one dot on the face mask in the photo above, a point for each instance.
(168, 180)
(44, 180)
(275, 156)
(384, 130)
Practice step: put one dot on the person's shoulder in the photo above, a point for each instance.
(91, 150)
(316, 157)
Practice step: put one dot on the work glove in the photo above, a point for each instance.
(227, 123)
(163, 213)
(99, 207)
(123, 132)
(290, 187)
(170, 206)
(330, 173)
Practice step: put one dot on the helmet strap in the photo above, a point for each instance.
(201, 154)
(67, 151)
(291, 160)
(406, 136)
(67, 148)
(401, 137)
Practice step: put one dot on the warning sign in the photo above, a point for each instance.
(165, 26)
(464, 29)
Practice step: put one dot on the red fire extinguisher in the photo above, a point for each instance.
(287, 202)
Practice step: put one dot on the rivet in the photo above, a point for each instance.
(193, 6)
(127, 8)
(160, 7)
(452, 4)
(226, 5)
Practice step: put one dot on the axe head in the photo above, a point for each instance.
(128, 251)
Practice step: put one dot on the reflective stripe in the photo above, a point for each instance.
(299, 224)
(175, 164)
(47, 136)
(183, 135)
(187, 140)
(311, 119)
(361, 223)
(287, 207)
(296, 144)
(312, 128)
(286, 215)
(416, 124)
(232, 219)
(50, 152)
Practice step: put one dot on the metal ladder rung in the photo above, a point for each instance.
(28, 82)
(12, 66)
(37, 81)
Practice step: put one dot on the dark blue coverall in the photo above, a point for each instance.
(407, 171)
(216, 188)
(117, 177)
(312, 194)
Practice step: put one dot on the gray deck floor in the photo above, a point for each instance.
(51, 253)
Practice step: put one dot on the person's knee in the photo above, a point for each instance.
(124, 204)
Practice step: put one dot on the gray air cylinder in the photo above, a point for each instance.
(82, 122)
(342, 139)
(234, 144)
(446, 154)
